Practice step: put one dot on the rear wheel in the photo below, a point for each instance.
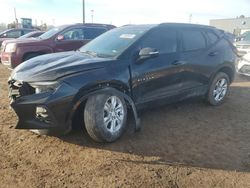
(105, 117)
(219, 89)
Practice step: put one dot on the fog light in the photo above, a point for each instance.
(42, 114)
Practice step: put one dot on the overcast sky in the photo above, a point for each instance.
(119, 12)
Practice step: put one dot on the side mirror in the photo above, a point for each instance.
(60, 37)
(147, 53)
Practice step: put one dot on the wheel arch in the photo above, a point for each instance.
(41, 50)
(82, 96)
(227, 70)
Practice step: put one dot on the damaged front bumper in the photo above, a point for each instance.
(47, 110)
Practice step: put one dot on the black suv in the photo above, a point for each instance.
(129, 67)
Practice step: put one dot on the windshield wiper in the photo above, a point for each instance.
(104, 55)
(89, 53)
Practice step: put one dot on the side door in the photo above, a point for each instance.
(158, 77)
(71, 39)
(195, 54)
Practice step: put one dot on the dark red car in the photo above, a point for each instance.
(59, 39)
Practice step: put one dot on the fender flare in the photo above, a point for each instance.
(109, 90)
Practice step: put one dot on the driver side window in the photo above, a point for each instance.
(73, 34)
(163, 40)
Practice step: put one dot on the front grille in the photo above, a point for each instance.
(18, 89)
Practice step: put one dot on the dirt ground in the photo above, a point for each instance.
(189, 144)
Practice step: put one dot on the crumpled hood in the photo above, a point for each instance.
(53, 66)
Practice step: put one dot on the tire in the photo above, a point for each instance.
(219, 89)
(99, 108)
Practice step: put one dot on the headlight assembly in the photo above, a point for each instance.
(10, 48)
(41, 87)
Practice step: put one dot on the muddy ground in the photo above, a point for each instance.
(189, 144)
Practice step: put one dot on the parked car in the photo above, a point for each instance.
(59, 39)
(243, 43)
(243, 46)
(130, 67)
(13, 34)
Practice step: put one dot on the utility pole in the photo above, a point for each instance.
(83, 11)
(16, 20)
(190, 18)
(92, 16)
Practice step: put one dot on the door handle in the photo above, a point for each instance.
(213, 53)
(179, 62)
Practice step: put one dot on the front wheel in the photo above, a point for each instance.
(105, 117)
(219, 89)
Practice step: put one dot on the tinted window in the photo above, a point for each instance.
(91, 33)
(212, 38)
(73, 34)
(193, 40)
(14, 34)
(163, 40)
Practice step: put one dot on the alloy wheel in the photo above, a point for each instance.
(220, 90)
(113, 115)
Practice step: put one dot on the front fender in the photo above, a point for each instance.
(30, 49)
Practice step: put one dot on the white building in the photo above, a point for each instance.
(236, 26)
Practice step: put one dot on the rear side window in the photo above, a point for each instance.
(193, 40)
(91, 32)
(212, 38)
(14, 34)
(163, 40)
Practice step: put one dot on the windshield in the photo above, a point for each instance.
(115, 41)
(26, 35)
(51, 33)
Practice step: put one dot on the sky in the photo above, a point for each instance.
(117, 12)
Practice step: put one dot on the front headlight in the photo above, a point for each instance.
(10, 48)
(41, 87)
